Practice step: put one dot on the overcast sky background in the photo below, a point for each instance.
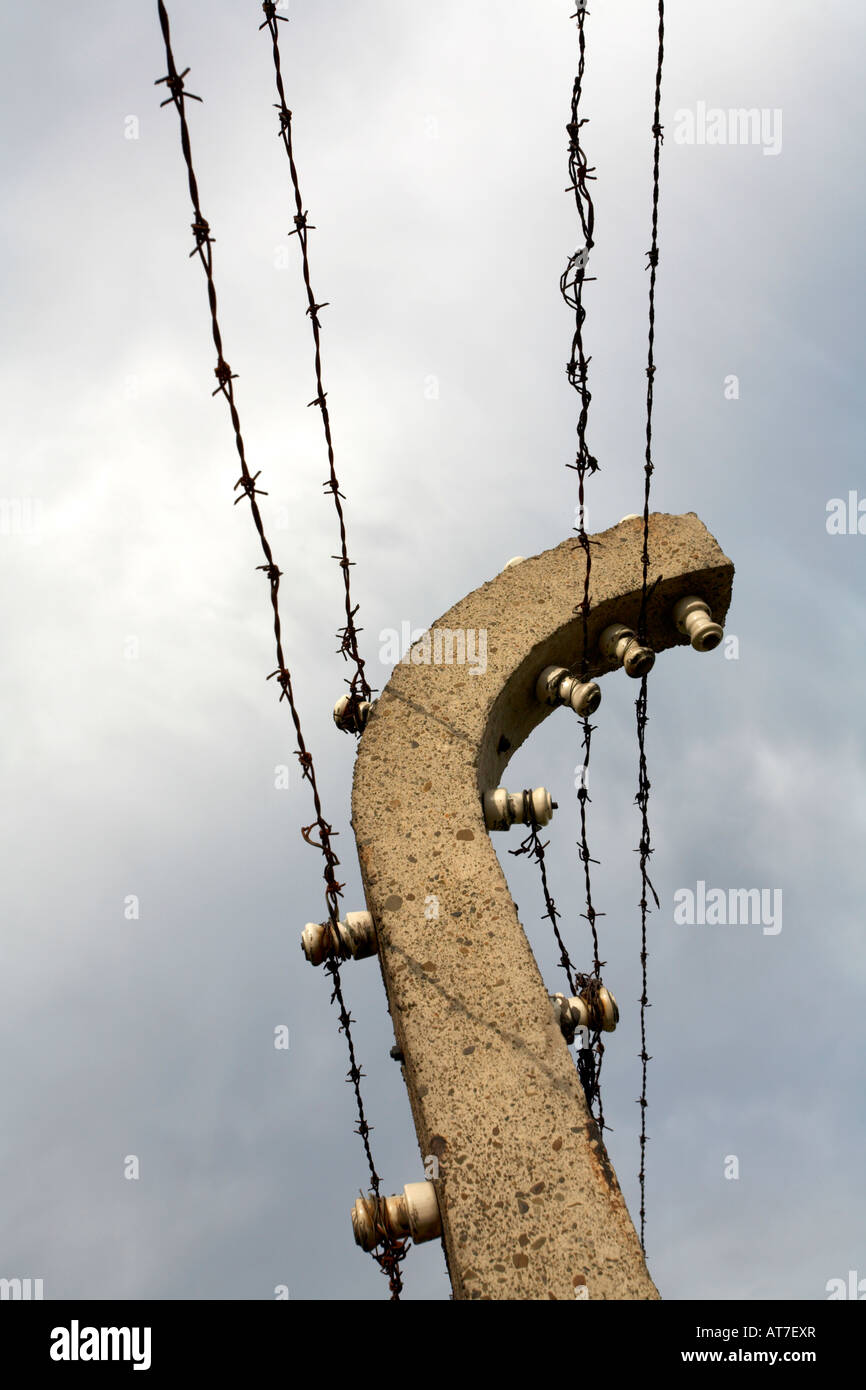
(432, 155)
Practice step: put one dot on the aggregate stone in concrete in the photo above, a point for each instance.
(530, 1205)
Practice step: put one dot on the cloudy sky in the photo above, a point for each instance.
(142, 740)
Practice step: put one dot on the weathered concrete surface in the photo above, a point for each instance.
(529, 1201)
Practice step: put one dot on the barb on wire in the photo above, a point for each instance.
(588, 1058)
(359, 688)
(389, 1259)
(642, 797)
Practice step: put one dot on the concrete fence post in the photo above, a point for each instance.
(530, 1205)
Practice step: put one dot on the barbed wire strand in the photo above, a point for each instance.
(571, 285)
(579, 983)
(359, 688)
(394, 1250)
(643, 791)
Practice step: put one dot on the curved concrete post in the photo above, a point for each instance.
(530, 1205)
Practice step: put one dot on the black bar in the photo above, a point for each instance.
(310, 1341)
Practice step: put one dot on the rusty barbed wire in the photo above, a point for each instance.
(645, 850)
(394, 1251)
(571, 285)
(643, 791)
(589, 1058)
(359, 688)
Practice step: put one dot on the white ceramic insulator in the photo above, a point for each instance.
(362, 1226)
(315, 941)
(693, 617)
(611, 1010)
(548, 683)
(575, 1013)
(619, 645)
(414, 1212)
(542, 806)
(562, 1012)
(583, 696)
(557, 686)
(358, 934)
(356, 939)
(614, 641)
(579, 1013)
(346, 721)
(502, 808)
(606, 1015)
(369, 1215)
(422, 1210)
(496, 813)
